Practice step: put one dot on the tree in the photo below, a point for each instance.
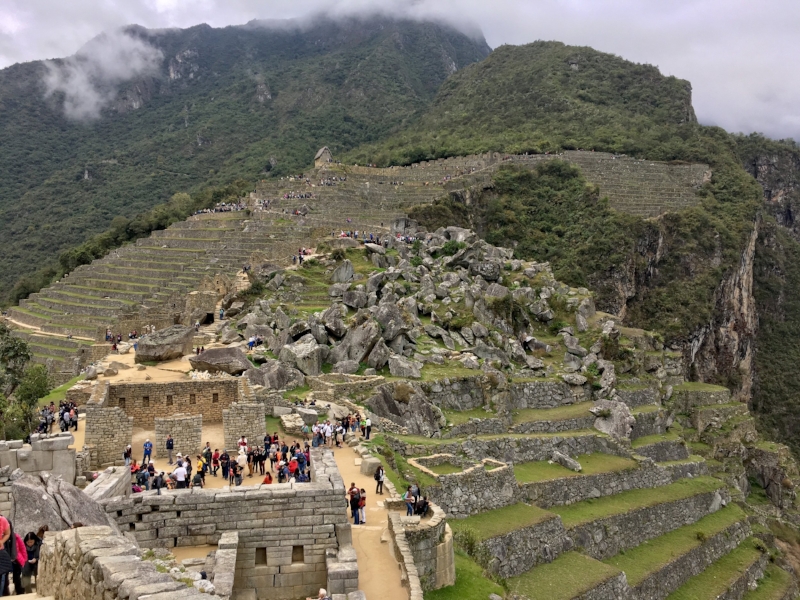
(14, 356)
(35, 384)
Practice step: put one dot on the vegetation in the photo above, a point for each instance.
(773, 586)
(471, 582)
(591, 464)
(568, 576)
(500, 521)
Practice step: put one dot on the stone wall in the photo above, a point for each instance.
(44, 453)
(6, 498)
(649, 423)
(463, 393)
(520, 550)
(664, 451)
(608, 536)
(108, 429)
(541, 394)
(557, 426)
(186, 432)
(515, 449)
(402, 552)
(286, 531)
(478, 427)
(244, 419)
(638, 395)
(675, 573)
(341, 384)
(143, 401)
(222, 574)
(95, 563)
(110, 483)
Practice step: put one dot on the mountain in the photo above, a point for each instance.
(139, 115)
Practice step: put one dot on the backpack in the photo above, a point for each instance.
(198, 480)
(377, 476)
(141, 478)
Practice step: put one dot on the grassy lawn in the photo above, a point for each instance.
(502, 520)
(648, 408)
(446, 469)
(561, 413)
(594, 509)
(591, 463)
(470, 583)
(568, 576)
(696, 386)
(58, 394)
(458, 417)
(274, 424)
(719, 576)
(424, 441)
(772, 586)
(692, 458)
(649, 557)
(670, 436)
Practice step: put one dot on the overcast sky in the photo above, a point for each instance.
(740, 55)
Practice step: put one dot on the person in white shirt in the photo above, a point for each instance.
(180, 477)
(369, 427)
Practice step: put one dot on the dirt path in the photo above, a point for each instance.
(378, 571)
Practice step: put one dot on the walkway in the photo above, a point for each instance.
(378, 571)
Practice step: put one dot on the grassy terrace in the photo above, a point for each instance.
(592, 465)
(458, 417)
(599, 508)
(59, 393)
(718, 577)
(692, 459)
(647, 558)
(670, 436)
(445, 469)
(504, 520)
(424, 441)
(560, 413)
(773, 586)
(696, 386)
(647, 408)
(567, 577)
(470, 582)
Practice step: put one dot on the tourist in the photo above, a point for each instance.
(6, 558)
(221, 314)
(368, 426)
(225, 463)
(207, 455)
(170, 444)
(362, 506)
(421, 507)
(323, 595)
(201, 465)
(408, 498)
(415, 491)
(267, 478)
(32, 546)
(180, 476)
(241, 460)
(363, 427)
(355, 496)
(380, 475)
(148, 450)
(197, 480)
(215, 462)
(242, 443)
(237, 473)
(158, 483)
(126, 455)
(260, 457)
(250, 460)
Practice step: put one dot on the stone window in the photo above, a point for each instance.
(169, 400)
(261, 556)
(297, 554)
(192, 399)
(145, 401)
(121, 402)
(214, 398)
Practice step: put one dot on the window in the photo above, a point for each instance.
(192, 399)
(261, 556)
(121, 402)
(297, 554)
(215, 398)
(169, 400)
(145, 401)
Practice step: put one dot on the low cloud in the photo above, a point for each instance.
(90, 79)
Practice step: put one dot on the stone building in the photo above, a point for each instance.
(322, 157)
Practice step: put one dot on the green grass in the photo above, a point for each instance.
(459, 417)
(692, 458)
(504, 520)
(599, 508)
(718, 577)
(670, 436)
(59, 393)
(274, 424)
(592, 464)
(696, 386)
(445, 469)
(567, 577)
(772, 586)
(647, 558)
(649, 408)
(470, 582)
(561, 413)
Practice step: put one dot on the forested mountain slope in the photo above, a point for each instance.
(206, 107)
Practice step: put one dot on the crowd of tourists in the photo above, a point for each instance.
(223, 207)
(298, 195)
(19, 557)
(67, 417)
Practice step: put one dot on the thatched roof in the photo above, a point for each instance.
(321, 151)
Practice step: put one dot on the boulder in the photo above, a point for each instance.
(226, 360)
(496, 291)
(346, 366)
(399, 366)
(566, 461)
(375, 248)
(486, 352)
(229, 335)
(581, 323)
(479, 330)
(91, 373)
(406, 405)
(379, 355)
(305, 354)
(374, 282)
(333, 322)
(118, 366)
(166, 344)
(572, 363)
(391, 321)
(574, 379)
(488, 270)
(613, 418)
(298, 329)
(123, 348)
(354, 299)
(343, 273)
(109, 372)
(573, 346)
(337, 290)
(357, 344)
(309, 416)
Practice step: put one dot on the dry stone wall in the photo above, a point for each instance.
(113, 482)
(44, 453)
(244, 419)
(186, 432)
(541, 394)
(108, 428)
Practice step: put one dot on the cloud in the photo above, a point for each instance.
(89, 80)
(732, 51)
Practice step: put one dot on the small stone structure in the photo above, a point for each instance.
(44, 453)
(108, 428)
(111, 483)
(186, 432)
(244, 419)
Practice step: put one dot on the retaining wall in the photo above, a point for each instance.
(244, 419)
(44, 453)
(186, 432)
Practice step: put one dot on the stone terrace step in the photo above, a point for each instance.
(659, 566)
(553, 420)
(776, 584)
(661, 447)
(730, 577)
(570, 576)
(606, 526)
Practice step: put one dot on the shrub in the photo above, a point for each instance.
(451, 247)
(338, 254)
(415, 261)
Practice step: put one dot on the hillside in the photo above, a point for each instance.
(219, 104)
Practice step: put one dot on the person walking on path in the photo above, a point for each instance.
(368, 424)
(408, 498)
(180, 477)
(355, 496)
(170, 444)
(148, 451)
(380, 475)
(127, 454)
(215, 462)
(225, 463)
(362, 506)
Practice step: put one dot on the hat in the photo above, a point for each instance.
(179, 454)
(151, 462)
(147, 440)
